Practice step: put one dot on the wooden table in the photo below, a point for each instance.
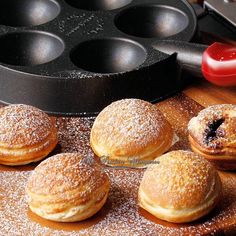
(121, 215)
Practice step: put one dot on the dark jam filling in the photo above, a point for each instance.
(211, 131)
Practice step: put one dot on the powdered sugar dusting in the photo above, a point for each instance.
(215, 126)
(178, 111)
(128, 122)
(23, 125)
(74, 134)
(121, 214)
(64, 172)
(191, 180)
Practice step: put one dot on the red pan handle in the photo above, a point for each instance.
(217, 62)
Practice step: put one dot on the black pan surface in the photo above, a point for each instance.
(74, 57)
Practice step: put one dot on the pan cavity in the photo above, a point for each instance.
(27, 12)
(29, 48)
(110, 55)
(151, 21)
(95, 5)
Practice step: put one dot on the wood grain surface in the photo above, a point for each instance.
(121, 214)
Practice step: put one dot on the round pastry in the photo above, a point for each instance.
(181, 188)
(27, 134)
(130, 132)
(65, 188)
(212, 134)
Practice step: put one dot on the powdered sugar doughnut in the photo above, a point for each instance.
(27, 134)
(130, 132)
(213, 135)
(66, 188)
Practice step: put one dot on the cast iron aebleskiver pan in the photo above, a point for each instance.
(74, 57)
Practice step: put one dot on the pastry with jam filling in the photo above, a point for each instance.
(213, 135)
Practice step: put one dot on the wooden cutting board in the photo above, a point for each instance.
(121, 215)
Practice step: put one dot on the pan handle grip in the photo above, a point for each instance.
(217, 62)
(189, 55)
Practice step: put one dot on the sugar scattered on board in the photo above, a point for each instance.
(122, 216)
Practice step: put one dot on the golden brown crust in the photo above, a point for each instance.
(130, 129)
(27, 134)
(212, 134)
(66, 188)
(222, 162)
(181, 188)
